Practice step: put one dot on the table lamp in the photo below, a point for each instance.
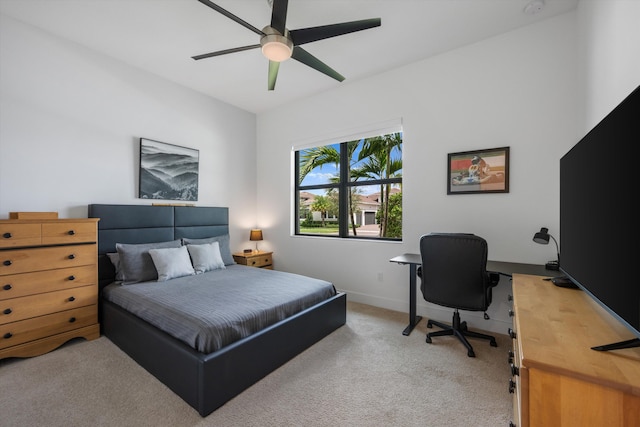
(256, 235)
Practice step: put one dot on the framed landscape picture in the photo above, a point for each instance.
(168, 171)
(479, 171)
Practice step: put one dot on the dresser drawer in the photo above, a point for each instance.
(68, 232)
(14, 235)
(258, 260)
(23, 331)
(16, 261)
(15, 309)
(19, 285)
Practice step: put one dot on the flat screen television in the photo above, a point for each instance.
(599, 243)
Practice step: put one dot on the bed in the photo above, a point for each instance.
(206, 380)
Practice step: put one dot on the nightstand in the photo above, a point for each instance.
(255, 259)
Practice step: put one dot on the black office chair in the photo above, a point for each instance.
(454, 274)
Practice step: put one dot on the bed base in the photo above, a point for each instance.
(208, 381)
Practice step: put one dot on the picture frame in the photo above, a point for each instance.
(478, 171)
(167, 171)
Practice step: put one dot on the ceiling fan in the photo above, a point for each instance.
(279, 44)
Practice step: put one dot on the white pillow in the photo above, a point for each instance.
(171, 263)
(206, 257)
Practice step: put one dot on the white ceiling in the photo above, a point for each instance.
(160, 36)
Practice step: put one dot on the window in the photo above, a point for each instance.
(350, 189)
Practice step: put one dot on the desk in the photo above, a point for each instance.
(506, 268)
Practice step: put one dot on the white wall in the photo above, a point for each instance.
(517, 90)
(609, 55)
(70, 123)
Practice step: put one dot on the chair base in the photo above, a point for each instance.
(459, 329)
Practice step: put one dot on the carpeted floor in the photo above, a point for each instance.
(364, 374)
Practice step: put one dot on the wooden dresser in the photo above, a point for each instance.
(48, 284)
(557, 379)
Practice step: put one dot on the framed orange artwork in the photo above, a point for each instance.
(479, 171)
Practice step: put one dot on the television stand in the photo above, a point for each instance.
(556, 379)
(632, 343)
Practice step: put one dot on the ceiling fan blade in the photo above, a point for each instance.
(279, 15)
(312, 34)
(231, 16)
(273, 74)
(224, 52)
(301, 55)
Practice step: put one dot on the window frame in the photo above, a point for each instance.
(344, 187)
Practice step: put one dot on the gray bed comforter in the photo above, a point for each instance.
(211, 310)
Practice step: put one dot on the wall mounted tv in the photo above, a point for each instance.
(598, 227)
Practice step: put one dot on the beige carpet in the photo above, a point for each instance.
(364, 374)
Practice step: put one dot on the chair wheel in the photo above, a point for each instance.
(428, 339)
(429, 324)
(493, 343)
(470, 353)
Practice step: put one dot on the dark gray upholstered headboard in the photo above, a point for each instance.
(149, 224)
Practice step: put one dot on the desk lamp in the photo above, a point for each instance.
(542, 237)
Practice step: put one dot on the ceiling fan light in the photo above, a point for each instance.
(276, 47)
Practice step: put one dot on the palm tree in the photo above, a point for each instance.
(316, 158)
(321, 204)
(319, 156)
(377, 151)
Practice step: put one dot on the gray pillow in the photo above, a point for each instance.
(225, 250)
(115, 260)
(136, 263)
(206, 257)
(171, 263)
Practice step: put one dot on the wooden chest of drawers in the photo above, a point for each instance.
(48, 284)
(255, 259)
(557, 379)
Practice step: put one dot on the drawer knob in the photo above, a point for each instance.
(7, 262)
(73, 319)
(72, 256)
(512, 386)
(8, 335)
(72, 277)
(71, 299)
(7, 235)
(7, 311)
(514, 370)
(71, 232)
(7, 287)
(511, 333)
(253, 262)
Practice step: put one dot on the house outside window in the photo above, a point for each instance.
(350, 189)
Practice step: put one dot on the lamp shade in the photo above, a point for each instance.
(256, 234)
(542, 236)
